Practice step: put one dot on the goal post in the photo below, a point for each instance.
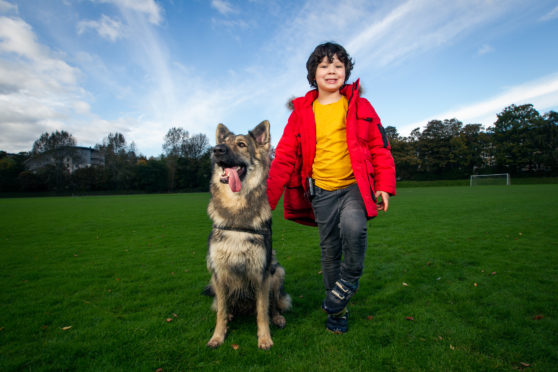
(490, 179)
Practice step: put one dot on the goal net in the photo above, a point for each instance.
(489, 179)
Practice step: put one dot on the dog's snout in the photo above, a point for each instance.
(220, 150)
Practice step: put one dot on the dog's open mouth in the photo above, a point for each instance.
(233, 176)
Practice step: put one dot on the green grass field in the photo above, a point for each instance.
(456, 279)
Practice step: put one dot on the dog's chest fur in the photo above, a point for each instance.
(236, 256)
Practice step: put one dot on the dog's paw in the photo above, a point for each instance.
(279, 321)
(215, 342)
(265, 343)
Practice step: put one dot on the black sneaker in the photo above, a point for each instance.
(338, 324)
(338, 298)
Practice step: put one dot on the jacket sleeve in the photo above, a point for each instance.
(284, 162)
(380, 150)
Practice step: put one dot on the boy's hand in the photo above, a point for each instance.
(382, 198)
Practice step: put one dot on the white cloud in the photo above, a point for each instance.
(81, 107)
(17, 37)
(147, 7)
(6, 7)
(417, 26)
(232, 24)
(222, 6)
(17, 41)
(553, 14)
(37, 88)
(485, 49)
(542, 93)
(377, 30)
(106, 27)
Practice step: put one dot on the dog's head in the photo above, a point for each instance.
(240, 159)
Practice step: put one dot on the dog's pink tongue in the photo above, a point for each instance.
(234, 180)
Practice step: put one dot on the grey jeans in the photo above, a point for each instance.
(341, 218)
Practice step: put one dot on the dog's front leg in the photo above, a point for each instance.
(262, 304)
(222, 316)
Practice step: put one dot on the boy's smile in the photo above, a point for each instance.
(330, 76)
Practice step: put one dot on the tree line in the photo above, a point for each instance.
(184, 165)
(521, 142)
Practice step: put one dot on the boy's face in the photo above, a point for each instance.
(330, 76)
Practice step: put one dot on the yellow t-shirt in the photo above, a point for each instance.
(332, 168)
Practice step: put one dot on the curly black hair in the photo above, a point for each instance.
(328, 50)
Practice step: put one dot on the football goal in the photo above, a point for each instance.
(489, 179)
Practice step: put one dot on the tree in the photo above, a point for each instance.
(194, 174)
(88, 179)
(58, 147)
(114, 143)
(120, 161)
(54, 140)
(549, 140)
(184, 155)
(174, 145)
(10, 167)
(391, 133)
(174, 141)
(151, 175)
(512, 134)
(196, 146)
(436, 150)
(403, 154)
(31, 182)
(477, 147)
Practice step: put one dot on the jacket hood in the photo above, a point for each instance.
(311, 95)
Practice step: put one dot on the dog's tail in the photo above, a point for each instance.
(208, 291)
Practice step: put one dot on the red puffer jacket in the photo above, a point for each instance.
(369, 151)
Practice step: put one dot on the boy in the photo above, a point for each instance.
(335, 166)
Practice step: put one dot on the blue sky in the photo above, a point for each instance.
(140, 67)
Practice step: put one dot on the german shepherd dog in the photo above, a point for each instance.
(245, 277)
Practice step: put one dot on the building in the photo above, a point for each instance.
(71, 157)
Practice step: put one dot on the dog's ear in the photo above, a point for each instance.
(261, 133)
(222, 133)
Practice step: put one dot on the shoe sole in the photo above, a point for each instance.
(336, 332)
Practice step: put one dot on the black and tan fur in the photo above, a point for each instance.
(245, 277)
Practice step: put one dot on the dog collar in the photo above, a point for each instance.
(251, 231)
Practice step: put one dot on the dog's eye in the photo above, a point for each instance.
(241, 144)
